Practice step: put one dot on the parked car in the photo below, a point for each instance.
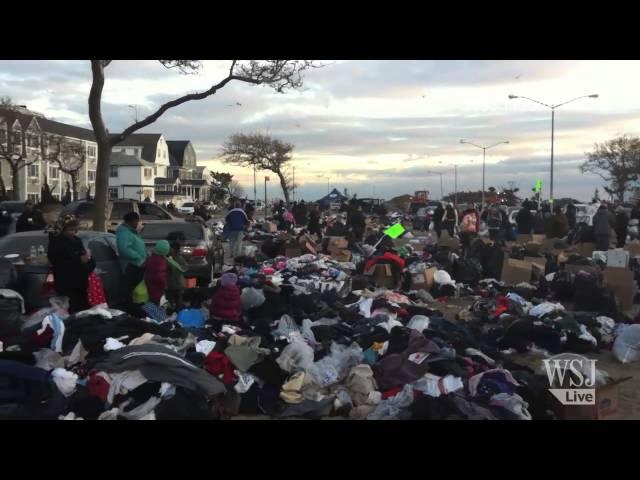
(14, 208)
(149, 212)
(198, 250)
(31, 277)
(187, 207)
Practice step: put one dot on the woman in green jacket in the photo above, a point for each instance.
(132, 255)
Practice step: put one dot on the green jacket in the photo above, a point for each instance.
(175, 275)
(131, 247)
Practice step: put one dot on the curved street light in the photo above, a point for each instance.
(553, 114)
(484, 155)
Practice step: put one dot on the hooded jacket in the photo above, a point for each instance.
(236, 220)
(602, 222)
(156, 277)
(226, 304)
(131, 247)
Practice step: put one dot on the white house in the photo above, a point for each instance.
(131, 177)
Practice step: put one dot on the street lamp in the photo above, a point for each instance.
(553, 115)
(455, 181)
(135, 109)
(484, 156)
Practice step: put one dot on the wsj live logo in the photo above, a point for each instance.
(576, 374)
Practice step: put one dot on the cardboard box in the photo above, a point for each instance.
(621, 283)
(271, 227)
(539, 261)
(337, 243)
(423, 280)
(523, 238)
(382, 276)
(341, 255)
(607, 405)
(618, 258)
(633, 248)
(585, 249)
(533, 248)
(292, 250)
(516, 271)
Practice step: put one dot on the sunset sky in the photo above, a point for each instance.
(374, 127)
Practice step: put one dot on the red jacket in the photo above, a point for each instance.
(155, 276)
(387, 256)
(225, 303)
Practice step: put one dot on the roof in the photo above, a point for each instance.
(148, 142)
(13, 115)
(57, 128)
(124, 160)
(176, 152)
(334, 196)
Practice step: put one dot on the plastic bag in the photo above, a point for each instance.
(392, 407)
(297, 356)
(286, 327)
(307, 333)
(251, 298)
(335, 366)
(626, 347)
(140, 293)
(419, 323)
(442, 277)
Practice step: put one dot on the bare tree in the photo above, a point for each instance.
(280, 75)
(17, 158)
(617, 162)
(6, 102)
(70, 156)
(262, 152)
(235, 189)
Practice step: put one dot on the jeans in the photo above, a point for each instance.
(235, 239)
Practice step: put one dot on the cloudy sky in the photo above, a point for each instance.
(373, 127)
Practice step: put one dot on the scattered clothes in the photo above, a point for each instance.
(65, 381)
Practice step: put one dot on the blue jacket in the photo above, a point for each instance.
(131, 247)
(236, 220)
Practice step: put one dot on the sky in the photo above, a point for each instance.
(376, 128)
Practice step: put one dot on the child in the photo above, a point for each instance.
(155, 275)
(225, 303)
(191, 316)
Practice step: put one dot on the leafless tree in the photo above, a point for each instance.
(280, 75)
(262, 152)
(235, 189)
(17, 158)
(617, 162)
(70, 156)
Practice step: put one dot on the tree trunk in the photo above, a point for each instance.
(15, 184)
(285, 188)
(104, 146)
(74, 186)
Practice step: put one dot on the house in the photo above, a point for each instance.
(131, 177)
(32, 135)
(194, 181)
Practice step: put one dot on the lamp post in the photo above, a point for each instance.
(484, 156)
(553, 115)
(266, 179)
(135, 109)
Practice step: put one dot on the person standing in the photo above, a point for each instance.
(470, 227)
(524, 220)
(571, 215)
(30, 220)
(622, 224)
(358, 223)
(236, 223)
(437, 219)
(71, 265)
(156, 272)
(314, 222)
(132, 255)
(450, 219)
(301, 213)
(559, 224)
(602, 225)
(493, 219)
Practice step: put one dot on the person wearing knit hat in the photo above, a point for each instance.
(156, 271)
(225, 303)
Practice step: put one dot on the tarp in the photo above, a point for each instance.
(334, 196)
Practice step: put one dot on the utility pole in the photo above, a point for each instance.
(293, 187)
(266, 179)
(255, 191)
(455, 184)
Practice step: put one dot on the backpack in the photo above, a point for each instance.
(494, 219)
(469, 223)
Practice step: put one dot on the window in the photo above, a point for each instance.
(34, 170)
(113, 193)
(148, 173)
(123, 150)
(113, 171)
(34, 197)
(3, 136)
(155, 170)
(91, 176)
(147, 192)
(33, 141)
(54, 173)
(136, 151)
(91, 150)
(120, 209)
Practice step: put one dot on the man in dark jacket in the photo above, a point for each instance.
(71, 265)
(524, 219)
(559, 225)
(622, 223)
(314, 221)
(357, 223)
(602, 225)
(571, 214)
(237, 222)
(300, 213)
(30, 220)
(437, 219)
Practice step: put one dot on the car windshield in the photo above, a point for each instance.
(187, 204)
(161, 231)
